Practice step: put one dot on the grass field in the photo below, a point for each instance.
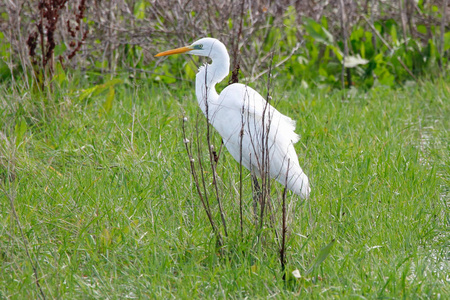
(108, 209)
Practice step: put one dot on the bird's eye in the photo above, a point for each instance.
(199, 47)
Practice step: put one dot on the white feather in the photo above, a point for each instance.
(239, 107)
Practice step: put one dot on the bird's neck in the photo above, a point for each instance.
(207, 78)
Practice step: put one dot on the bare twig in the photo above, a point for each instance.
(284, 228)
(264, 164)
(401, 6)
(241, 136)
(211, 155)
(344, 35)
(235, 74)
(197, 185)
(410, 17)
(200, 162)
(372, 12)
(278, 64)
(441, 44)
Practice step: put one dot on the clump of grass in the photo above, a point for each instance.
(108, 207)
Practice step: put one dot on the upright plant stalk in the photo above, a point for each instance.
(235, 74)
(443, 23)
(204, 201)
(265, 163)
(211, 156)
(41, 34)
(410, 5)
(284, 228)
(401, 6)
(200, 163)
(110, 38)
(241, 136)
(372, 10)
(344, 35)
(47, 25)
(235, 79)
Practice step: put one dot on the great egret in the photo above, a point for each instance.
(268, 136)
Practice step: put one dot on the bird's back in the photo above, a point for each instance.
(266, 132)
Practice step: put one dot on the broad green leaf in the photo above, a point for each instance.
(323, 72)
(422, 29)
(107, 105)
(59, 49)
(323, 254)
(59, 76)
(337, 52)
(97, 89)
(328, 35)
(394, 34)
(378, 58)
(190, 69)
(289, 19)
(19, 131)
(139, 9)
(384, 76)
(447, 41)
(318, 32)
(5, 72)
(363, 49)
(433, 50)
(87, 93)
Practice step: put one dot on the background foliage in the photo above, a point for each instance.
(384, 42)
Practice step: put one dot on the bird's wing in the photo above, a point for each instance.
(238, 109)
(242, 99)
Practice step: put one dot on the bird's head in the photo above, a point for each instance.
(209, 47)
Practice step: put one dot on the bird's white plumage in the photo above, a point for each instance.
(239, 108)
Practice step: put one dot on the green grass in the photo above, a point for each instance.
(108, 207)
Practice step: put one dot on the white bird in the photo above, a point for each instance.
(239, 108)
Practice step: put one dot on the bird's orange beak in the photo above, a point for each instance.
(175, 51)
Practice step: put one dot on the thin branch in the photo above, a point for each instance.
(235, 74)
(197, 185)
(344, 34)
(278, 64)
(443, 23)
(372, 10)
(265, 165)
(211, 155)
(401, 6)
(241, 136)
(284, 228)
